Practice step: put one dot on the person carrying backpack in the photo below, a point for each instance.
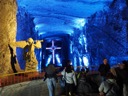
(83, 87)
(109, 87)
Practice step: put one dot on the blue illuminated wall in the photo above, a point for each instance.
(24, 31)
(88, 40)
(107, 35)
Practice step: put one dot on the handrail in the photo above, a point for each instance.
(13, 78)
(3, 75)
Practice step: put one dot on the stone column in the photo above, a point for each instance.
(8, 27)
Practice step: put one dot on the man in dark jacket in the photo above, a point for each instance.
(50, 76)
(104, 68)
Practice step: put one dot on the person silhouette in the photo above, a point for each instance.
(13, 59)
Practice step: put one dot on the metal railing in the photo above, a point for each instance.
(9, 79)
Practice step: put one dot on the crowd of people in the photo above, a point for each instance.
(109, 81)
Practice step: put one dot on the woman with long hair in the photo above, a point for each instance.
(70, 78)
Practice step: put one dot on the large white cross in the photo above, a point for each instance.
(53, 48)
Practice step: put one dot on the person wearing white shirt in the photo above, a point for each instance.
(70, 77)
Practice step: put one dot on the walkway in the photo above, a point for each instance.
(30, 88)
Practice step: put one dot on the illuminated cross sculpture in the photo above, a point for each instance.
(53, 48)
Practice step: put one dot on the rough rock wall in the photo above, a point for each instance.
(7, 32)
(112, 27)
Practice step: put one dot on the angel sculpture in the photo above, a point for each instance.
(28, 53)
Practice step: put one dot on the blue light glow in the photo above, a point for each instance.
(75, 63)
(41, 33)
(58, 60)
(71, 44)
(79, 22)
(40, 61)
(39, 26)
(85, 60)
(80, 62)
(49, 59)
(83, 41)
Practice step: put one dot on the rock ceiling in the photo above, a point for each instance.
(53, 17)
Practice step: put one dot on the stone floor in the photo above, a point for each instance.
(30, 88)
